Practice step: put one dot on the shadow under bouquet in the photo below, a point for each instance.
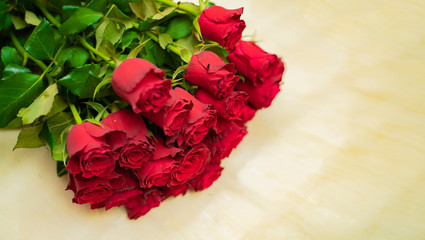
(137, 100)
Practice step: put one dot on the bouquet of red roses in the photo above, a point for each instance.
(137, 100)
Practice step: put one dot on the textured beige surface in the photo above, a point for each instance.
(339, 155)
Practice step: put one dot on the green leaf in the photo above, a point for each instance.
(167, 11)
(185, 55)
(54, 130)
(79, 21)
(17, 91)
(179, 70)
(40, 107)
(75, 56)
(106, 81)
(31, 18)
(179, 27)
(109, 30)
(136, 50)
(117, 15)
(41, 44)
(82, 81)
(67, 11)
(5, 20)
(165, 39)
(10, 55)
(153, 53)
(59, 104)
(97, 5)
(128, 38)
(29, 137)
(18, 22)
(143, 9)
(61, 168)
(188, 42)
(14, 124)
(13, 68)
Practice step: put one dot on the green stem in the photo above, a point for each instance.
(24, 53)
(95, 51)
(75, 113)
(169, 46)
(186, 8)
(47, 13)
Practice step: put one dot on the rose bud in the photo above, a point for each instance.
(260, 96)
(171, 117)
(201, 118)
(208, 71)
(136, 146)
(231, 108)
(141, 84)
(255, 64)
(221, 144)
(190, 164)
(129, 189)
(157, 172)
(89, 152)
(211, 173)
(222, 25)
(139, 205)
(93, 190)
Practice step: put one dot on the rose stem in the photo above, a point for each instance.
(25, 55)
(169, 46)
(95, 51)
(186, 8)
(47, 14)
(75, 113)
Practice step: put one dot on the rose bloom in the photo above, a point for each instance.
(228, 137)
(222, 25)
(201, 118)
(231, 108)
(93, 190)
(139, 205)
(260, 96)
(190, 164)
(258, 66)
(129, 189)
(171, 117)
(175, 190)
(141, 84)
(89, 152)
(128, 134)
(208, 71)
(211, 173)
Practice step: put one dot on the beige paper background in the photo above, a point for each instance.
(339, 155)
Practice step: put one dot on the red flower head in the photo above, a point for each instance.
(222, 26)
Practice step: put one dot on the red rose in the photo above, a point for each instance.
(211, 173)
(157, 172)
(142, 84)
(93, 190)
(191, 164)
(139, 205)
(137, 146)
(231, 108)
(222, 25)
(171, 117)
(89, 152)
(129, 189)
(222, 143)
(175, 190)
(260, 96)
(255, 64)
(201, 118)
(207, 70)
